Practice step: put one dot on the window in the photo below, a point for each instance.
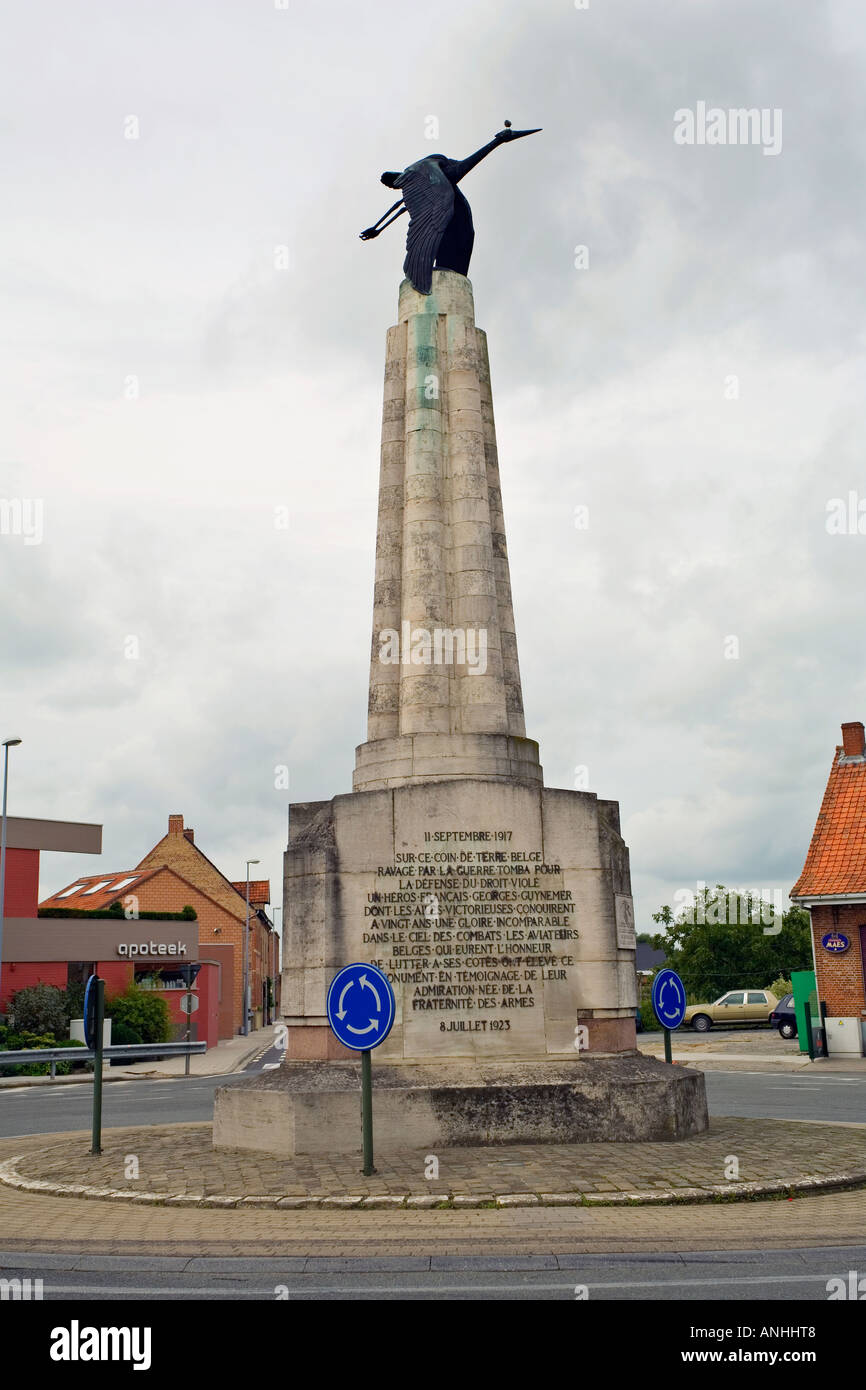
(123, 882)
(67, 892)
(733, 998)
(177, 977)
(756, 997)
(78, 972)
(96, 886)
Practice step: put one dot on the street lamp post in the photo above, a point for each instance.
(245, 1028)
(7, 744)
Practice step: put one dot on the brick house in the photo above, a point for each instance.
(162, 890)
(174, 874)
(178, 851)
(833, 887)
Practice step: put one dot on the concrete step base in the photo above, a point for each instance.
(314, 1107)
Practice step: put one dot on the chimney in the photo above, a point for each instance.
(190, 835)
(175, 825)
(853, 739)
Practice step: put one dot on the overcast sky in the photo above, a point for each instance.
(699, 386)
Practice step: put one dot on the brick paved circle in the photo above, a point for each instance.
(177, 1165)
(33, 1223)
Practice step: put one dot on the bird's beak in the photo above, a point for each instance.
(518, 134)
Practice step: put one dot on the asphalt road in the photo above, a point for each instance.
(48, 1109)
(44, 1109)
(836, 1096)
(730, 1276)
(749, 1276)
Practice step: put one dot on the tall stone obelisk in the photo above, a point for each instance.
(499, 909)
(441, 561)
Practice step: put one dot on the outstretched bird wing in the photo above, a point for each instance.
(429, 197)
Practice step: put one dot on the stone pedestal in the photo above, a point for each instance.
(500, 909)
(501, 913)
(315, 1107)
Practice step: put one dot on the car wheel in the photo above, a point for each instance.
(788, 1030)
(702, 1023)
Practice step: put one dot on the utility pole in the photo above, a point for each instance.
(245, 1025)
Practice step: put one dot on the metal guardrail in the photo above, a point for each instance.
(122, 1051)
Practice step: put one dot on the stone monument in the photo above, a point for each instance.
(500, 909)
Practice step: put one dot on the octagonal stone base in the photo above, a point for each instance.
(315, 1107)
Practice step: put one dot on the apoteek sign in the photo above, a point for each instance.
(151, 948)
(37, 939)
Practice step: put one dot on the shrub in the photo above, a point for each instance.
(39, 1009)
(143, 1011)
(73, 1001)
(648, 1018)
(123, 1035)
(14, 1042)
(781, 987)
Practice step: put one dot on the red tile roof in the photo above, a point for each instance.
(836, 862)
(92, 902)
(260, 890)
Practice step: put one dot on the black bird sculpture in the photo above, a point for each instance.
(440, 219)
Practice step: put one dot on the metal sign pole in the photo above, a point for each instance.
(668, 1057)
(188, 1020)
(361, 1008)
(96, 1145)
(367, 1111)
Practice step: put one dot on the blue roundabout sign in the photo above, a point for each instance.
(89, 1011)
(360, 1006)
(668, 999)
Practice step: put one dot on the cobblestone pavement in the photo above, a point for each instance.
(39, 1223)
(178, 1162)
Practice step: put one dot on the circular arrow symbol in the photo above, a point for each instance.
(668, 999)
(365, 983)
(374, 1022)
(341, 1012)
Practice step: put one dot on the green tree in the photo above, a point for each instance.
(726, 941)
(39, 1009)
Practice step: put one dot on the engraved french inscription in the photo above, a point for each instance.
(471, 927)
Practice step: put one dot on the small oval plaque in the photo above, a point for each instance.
(835, 942)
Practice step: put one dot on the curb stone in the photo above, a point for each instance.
(679, 1196)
